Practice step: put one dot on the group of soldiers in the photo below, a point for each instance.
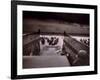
(51, 41)
(85, 41)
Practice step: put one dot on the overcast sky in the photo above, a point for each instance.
(67, 17)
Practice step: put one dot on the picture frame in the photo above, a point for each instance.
(22, 11)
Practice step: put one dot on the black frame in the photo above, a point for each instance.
(14, 39)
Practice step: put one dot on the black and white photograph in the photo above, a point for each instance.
(53, 39)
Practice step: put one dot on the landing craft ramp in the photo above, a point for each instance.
(35, 59)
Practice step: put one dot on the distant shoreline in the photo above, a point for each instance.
(53, 33)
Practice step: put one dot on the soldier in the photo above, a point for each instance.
(81, 58)
(42, 40)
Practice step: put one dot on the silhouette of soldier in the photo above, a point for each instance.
(42, 40)
(81, 58)
(55, 41)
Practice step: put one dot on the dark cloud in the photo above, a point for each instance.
(68, 17)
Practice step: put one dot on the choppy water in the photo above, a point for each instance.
(80, 37)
